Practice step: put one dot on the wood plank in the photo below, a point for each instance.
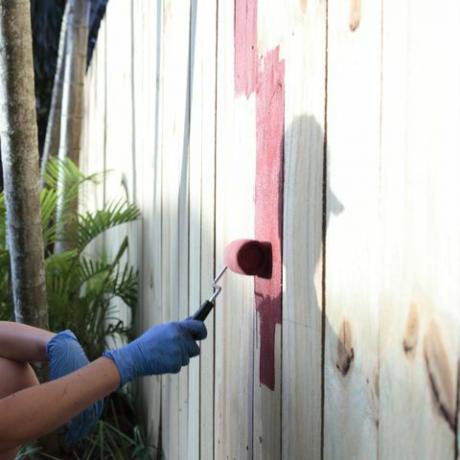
(303, 203)
(119, 129)
(202, 190)
(235, 169)
(92, 159)
(351, 406)
(194, 227)
(174, 150)
(207, 21)
(146, 30)
(419, 307)
(270, 97)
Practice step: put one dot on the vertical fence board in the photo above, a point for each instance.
(235, 168)
(202, 190)
(146, 42)
(119, 180)
(267, 401)
(352, 244)
(391, 345)
(174, 151)
(303, 201)
(419, 309)
(92, 158)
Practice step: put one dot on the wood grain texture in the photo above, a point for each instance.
(175, 169)
(351, 401)
(92, 159)
(201, 232)
(392, 249)
(120, 177)
(270, 101)
(235, 168)
(302, 252)
(419, 316)
(146, 41)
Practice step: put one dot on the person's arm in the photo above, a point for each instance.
(23, 343)
(35, 411)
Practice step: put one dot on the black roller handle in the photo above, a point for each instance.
(203, 311)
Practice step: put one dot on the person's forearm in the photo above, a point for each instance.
(23, 343)
(35, 411)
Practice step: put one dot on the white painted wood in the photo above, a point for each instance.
(305, 52)
(419, 304)
(235, 169)
(174, 152)
(351, 408)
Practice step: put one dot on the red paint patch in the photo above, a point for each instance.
(269, 204)
(269, 86)
(245, 46)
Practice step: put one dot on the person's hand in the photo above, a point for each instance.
(162, 349)
(66, 355)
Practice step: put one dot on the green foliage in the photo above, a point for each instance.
(81, 289)
(81, 296)
(116, 436)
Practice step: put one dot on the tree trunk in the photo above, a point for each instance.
(74, 76)
(19, 150)
(53, 127)
(72, 106)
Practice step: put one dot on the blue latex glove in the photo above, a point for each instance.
(66, 355)
(162, 349)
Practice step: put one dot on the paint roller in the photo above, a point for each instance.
(246, 257)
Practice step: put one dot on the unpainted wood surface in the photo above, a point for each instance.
(201, 232)
(120, 177)
(235, 166)
(173, 145)
(146, 41)
(303, 264)
(419, 315)
(352, 283)
(376, 81)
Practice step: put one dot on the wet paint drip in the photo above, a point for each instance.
(267, 80)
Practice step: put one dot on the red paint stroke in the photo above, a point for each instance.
(269, 204)
(245, 46)
(268, 82)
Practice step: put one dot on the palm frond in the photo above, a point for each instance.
(125, 285)
(58, 170)
(48, 204)
(90, 225)
(90, 269)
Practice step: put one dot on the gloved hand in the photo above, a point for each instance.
(66, 355)
(162, 349)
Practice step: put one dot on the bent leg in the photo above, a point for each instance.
(14, 376)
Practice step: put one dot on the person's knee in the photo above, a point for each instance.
(15, 376)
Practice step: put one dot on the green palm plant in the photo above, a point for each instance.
(81, 288)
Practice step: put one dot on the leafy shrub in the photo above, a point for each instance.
(81, 291)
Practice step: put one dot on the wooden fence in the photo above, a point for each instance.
(360, 100)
